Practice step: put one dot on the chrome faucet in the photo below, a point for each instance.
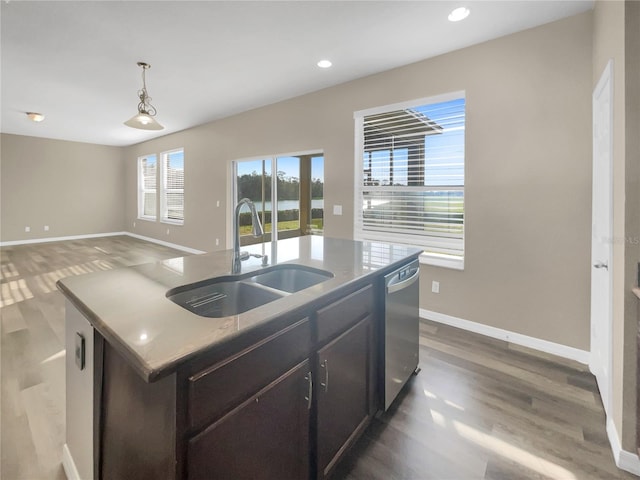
(256, 228)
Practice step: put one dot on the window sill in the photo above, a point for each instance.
(148, 219)
(171, 222)
(442, 260)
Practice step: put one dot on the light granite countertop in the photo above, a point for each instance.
(129, 307)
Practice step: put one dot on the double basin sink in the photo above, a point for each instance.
(233, 294)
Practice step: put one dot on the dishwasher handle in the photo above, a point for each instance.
(405, 283)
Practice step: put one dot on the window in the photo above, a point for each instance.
(295, 182)
(147, 181)
(172, 187)
(410, 176)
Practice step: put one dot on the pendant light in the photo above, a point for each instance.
(144, 118)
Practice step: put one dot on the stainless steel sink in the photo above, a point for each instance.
(291, 278)
(234, 294)
(222, 299)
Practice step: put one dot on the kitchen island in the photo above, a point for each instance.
(279, 391)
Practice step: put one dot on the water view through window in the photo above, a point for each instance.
(296, 181)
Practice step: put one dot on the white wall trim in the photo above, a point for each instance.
(442, 260)
(68, 464)
(624, 460)
(97, 235)
(166, 244)
(60, 239)
(581, 356)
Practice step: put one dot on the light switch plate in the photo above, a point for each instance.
(337, 209)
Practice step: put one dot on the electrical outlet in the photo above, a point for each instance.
(167, 231)
(46, 228)
(27, 229)
(134, 224)
(217, 242)
(435, 287)
(337, 209)
(217, 203)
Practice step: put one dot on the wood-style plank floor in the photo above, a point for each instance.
(32, 344)
(479, 409)
(482, 408)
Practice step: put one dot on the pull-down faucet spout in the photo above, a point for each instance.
(256, 228)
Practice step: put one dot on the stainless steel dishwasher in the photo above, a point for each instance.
(400, 329)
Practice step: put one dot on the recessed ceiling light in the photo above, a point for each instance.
(324, 63)
(36, 117)
(458, 14)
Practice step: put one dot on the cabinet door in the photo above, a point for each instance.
(343, 394)
(266, 437)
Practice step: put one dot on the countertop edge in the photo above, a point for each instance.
(150, 374)
(139, 365)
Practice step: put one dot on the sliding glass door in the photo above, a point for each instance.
(293, 183)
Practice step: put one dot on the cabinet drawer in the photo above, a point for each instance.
(222, 386)
(338, 316)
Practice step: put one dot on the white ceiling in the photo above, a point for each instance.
(75, 61)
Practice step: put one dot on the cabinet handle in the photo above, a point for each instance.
(309, 396)
(325, 365)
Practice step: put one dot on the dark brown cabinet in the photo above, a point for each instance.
(266, 437)
(342, 394)
(284, 402)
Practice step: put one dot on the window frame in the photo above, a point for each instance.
(431, 258)
(142, 190)
(164, 190)
(273, 158)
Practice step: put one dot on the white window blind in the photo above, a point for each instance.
(410, 174)
(172, 187)
(147, 181)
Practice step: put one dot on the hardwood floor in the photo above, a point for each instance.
(485, 409)
(32, 344)
(479, 409)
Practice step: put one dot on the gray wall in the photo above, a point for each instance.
(528, 173)
(74, 188)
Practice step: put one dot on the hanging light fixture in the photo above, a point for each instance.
(144, 118)
(35, 116)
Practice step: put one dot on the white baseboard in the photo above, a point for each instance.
(59, 239)
(581, 356)
(98, 235)
(69, 465)
(624, 459)
(162, 242)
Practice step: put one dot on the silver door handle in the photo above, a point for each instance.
(405, 283)
(325, 365)
(601, 265)
(309, 396)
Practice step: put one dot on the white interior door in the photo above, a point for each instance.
(602, 235)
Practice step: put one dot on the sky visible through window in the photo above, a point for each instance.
(289, 165)
(177, 160)
(444, 153)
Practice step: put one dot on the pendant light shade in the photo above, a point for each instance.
(144, 120)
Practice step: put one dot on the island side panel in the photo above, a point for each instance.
(138, 424)
(79, 394)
